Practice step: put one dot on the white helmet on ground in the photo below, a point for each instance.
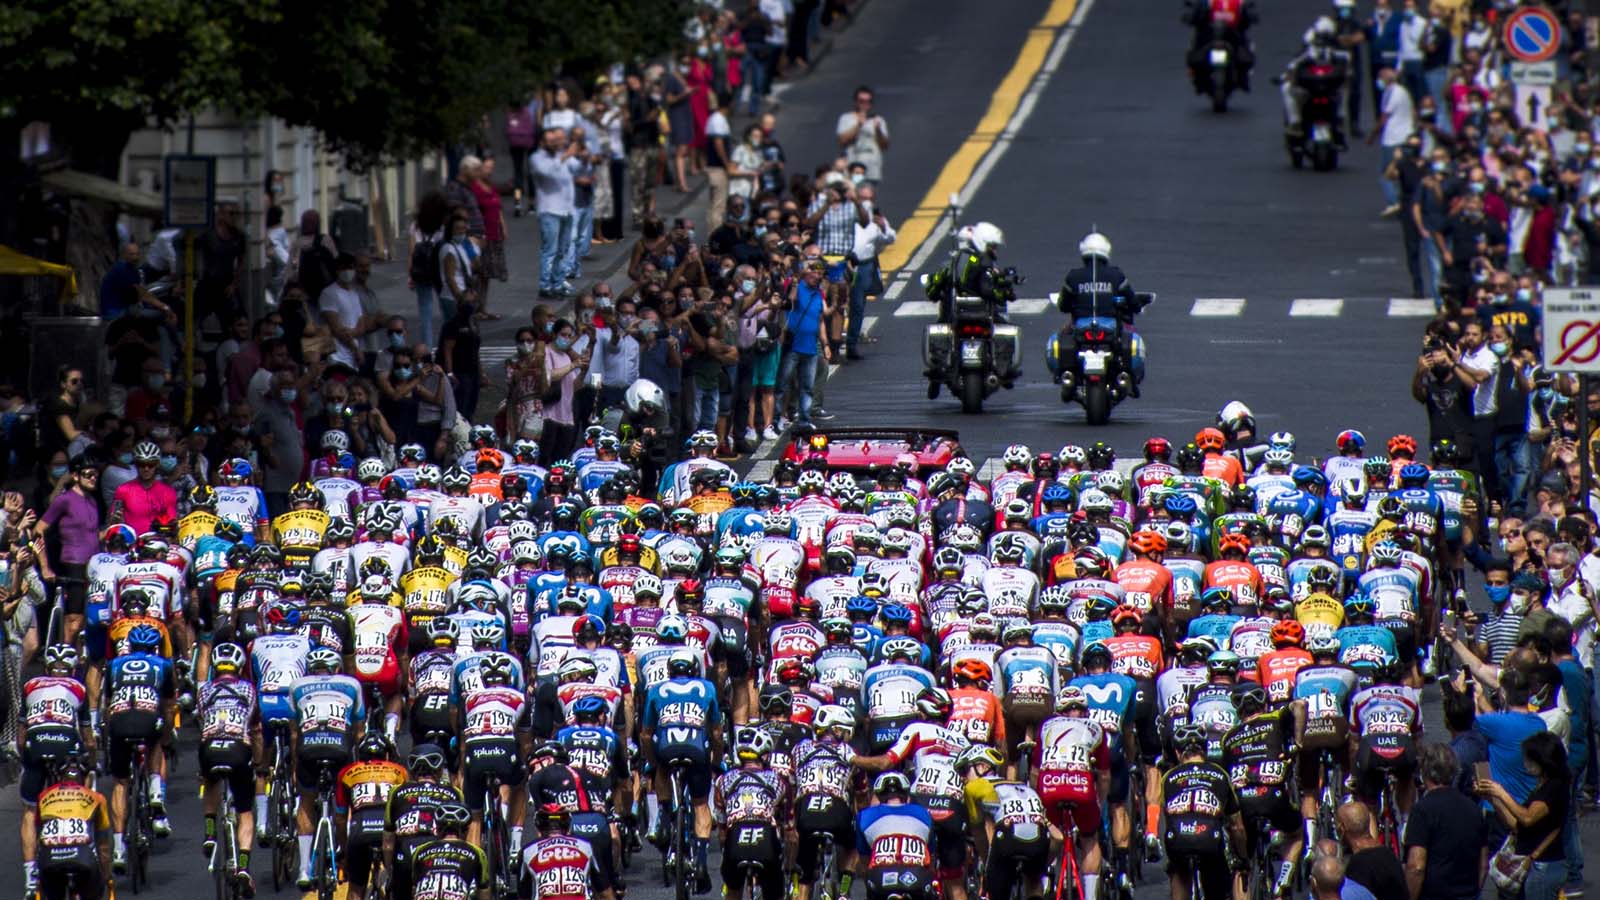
(1095, 244)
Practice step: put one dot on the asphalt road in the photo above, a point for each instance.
(1199, 206)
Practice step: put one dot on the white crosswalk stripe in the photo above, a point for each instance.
(1030, 307)
(492, 357)
(1316, 307)
(1408, 307)
(1209, 307)
(921, 308)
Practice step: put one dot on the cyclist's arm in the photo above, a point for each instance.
(1297, 710)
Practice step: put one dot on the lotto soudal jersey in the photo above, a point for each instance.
(559, 867)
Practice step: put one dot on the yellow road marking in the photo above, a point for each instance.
(960, 166)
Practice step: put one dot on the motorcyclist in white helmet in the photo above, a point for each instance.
(973, 271)
(1098, 293)
(1320, 48)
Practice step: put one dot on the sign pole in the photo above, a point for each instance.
(188, 326)
(1585, 467)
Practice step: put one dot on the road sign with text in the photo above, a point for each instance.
(1572, 330)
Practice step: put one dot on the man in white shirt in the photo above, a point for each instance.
(1413, 31)
(616, 350)
(1396, 121)
(871, 238)
(555, 200)
(863, 136)
(340, 306)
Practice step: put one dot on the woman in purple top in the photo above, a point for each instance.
(75, 516)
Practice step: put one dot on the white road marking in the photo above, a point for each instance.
(494, 355)
(991, 467)
(893, 293)
(922, 308)
(1210, 307)
(1030, 307)
(1309, 307)
(1405, 307)
(761, 470)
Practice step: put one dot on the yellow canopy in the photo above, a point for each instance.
(14, 263)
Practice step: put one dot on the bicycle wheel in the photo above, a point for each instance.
(134, 836)
(826, 888)
(681, 822)
(323, 855)
(221, 870)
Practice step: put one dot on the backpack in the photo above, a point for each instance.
(425, 263)
(315, 269)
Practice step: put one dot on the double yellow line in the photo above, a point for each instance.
(916, 229)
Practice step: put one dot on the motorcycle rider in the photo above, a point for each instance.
(972, 271)
(1320, 49)
(1098, 293)
(1228, 20)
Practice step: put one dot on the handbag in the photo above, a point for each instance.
(1509, 868)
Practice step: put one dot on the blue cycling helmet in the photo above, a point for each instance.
(1219, 597)
(1413, 474)
(1182, 505)
(1306, 476)
(144, 636)
(346, 461)
(860, 605)
(896, 614)
(1056, 493)
(1358, 605)
(588, 708)
(579, 557)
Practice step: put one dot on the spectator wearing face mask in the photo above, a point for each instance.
(283, 443)
(1497, 630)
(340, 306)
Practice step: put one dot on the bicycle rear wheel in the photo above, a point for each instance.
(681, 822)
(136, 837)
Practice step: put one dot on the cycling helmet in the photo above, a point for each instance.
(1178, 534)
(1127, 615)
(945, 559)
(226, 659)
(443, 631)
(1308, 477)
(836, 719)
(1017, 456)
(370, 469)
(1282, 440)
(1074, 455)
(647, 585)
(963, 537)
(1250, 699)
(488, 634)
(340, 529)
(1157, 448)
(495, 669)
(1189, 735)
(576, 668)
(456, 478)
(1015, 629)
(897, 540)
(1288, 633)
(896, 614)
(146, 452)
(374, 746)
(1276, 459)
(1223, 662)
(775, 699)
(906, 648)
(934, 703)
(1235, 416)
(1096, 655)
(1071, 697)
(861, 607)
(1182, 506)
(975, 670)
(1095, 502)
(229, 530)
(1386, 553)
(323, 660)
(777, 522)
(1112, 482)
(1413, 475)
(64, 658)
(1197, 649)
(281, 618)
(1091, 562)
(1208, 439)
(755, 745)
(891, 784)
(1322, 642)
(985, 625)
(1350, 439)
(1055, 493)
(425, 759)
(1314, 536)
(335, 441)
(1217, 598)
(1235, 543)
(979, 753)
(683, 663)
(1100, 455)
(1358, 605)
(553, 818)
(1148, 542)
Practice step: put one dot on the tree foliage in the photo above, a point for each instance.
(380, 79)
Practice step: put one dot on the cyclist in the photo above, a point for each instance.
(1112, 699)
(329, 713)
(230, 729)
(55, 728)
(412, 813)
(1276, 669)
(1074, 765)
(277, 661)
(553, 779)
(1386, 724)
(747, 805)
(893, 841)
(1028, 683)
(73, 836)
(822, 769)
(1016, 833)
(597, 753)
(1259, 756)
(1325, 686)
(559, 865)
(381, 647)
(975, 710)
(1200, 805)
(364, 788)
(141, 690)
(680, 726)
(451, 867)
(493, 721)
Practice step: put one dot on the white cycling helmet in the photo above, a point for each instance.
(832, 717)
(371, 469)
(987, 237)
(643, 393)
(1095, 244)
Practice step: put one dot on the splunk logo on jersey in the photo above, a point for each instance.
(683, 714)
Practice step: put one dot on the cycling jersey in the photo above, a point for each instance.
(364, 788)
(378, 632)
(452, 869)
(1070, 755)
(73, 820)
(561, 867)
(327, 708)
(1326, 691)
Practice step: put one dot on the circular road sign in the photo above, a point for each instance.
(1532, 34)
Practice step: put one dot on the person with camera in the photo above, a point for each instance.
(805, 337)
(761, 322)
(1444, 386)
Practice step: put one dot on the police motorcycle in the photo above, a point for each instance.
(972, 349)
(1096, 357)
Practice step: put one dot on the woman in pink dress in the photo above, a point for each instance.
(493, 267)
(699, 80)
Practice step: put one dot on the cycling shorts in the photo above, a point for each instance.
(754, 842)
(906, 881)
(1187, 853)
(1006, 854)
(595, 828)
(127, 731)
(311, 759)
(1059, 788)
(820, 819)
(481, 759)
(735, 638)
(697, 772)
(237, 756)
(1380, 754)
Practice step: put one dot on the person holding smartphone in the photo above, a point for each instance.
(566, 365)
(1442, 384)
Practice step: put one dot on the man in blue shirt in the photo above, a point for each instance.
(1505, 731)
(122, 288)
(805, 338)
(1575, 698)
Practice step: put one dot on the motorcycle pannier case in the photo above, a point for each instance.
(938, 342)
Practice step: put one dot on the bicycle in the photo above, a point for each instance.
(1025, 749)
(225, 848)
(139, 828)
(1262, 860)
(1068, 864)
(1388, 819)
(827, 883)
(324, 850)
(751, 870)
(677, 869)
(497, 845)
(279, 828)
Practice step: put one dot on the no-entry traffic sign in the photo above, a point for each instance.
(1531, 34)
(1572, 330)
